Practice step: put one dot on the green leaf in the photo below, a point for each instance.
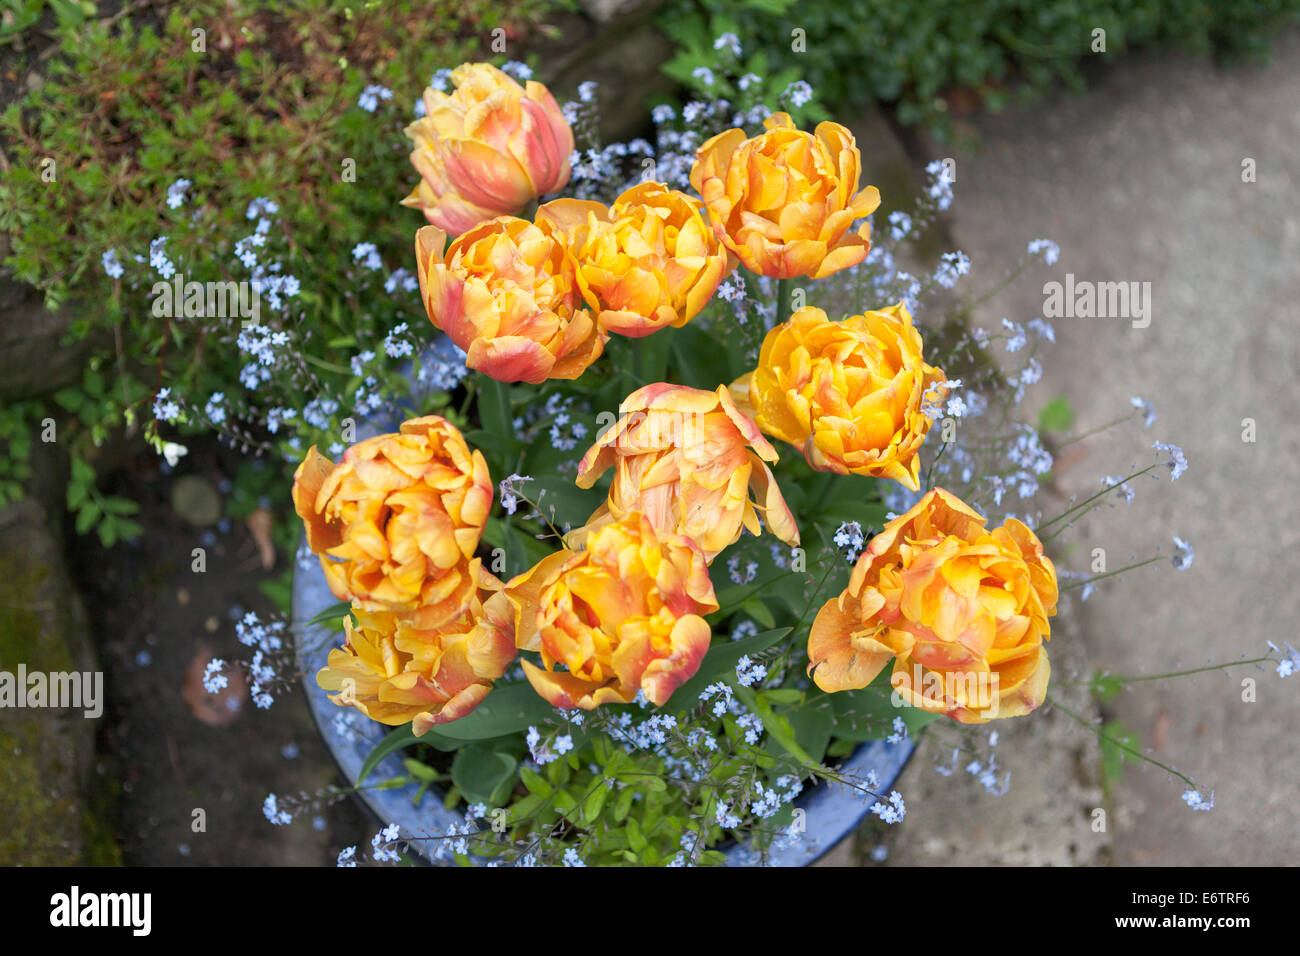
(1056, 415)
(594, 803)
(784, 695)
(813, 724)
(1105, 687)
(494, 409)
(70, 398)
(420, 771)
(534, 782)
(509, 709)
(76, 495)
(393, 741)
(479, 771)
(759, 612)
(720, 662)
(652, 351)
(1114, 738)
(87, 517)
(623, 804)
(635, 839)
(120, 506)
(332, 613)
(779, 727)
(82, 473)
(868, 713)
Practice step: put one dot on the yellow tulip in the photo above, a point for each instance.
(622, 616)
(394, 671)
(687, 459)
(649, 261)
(784, 201)
(848, 394)
(961, 611)
(397, 521)
(487, 149)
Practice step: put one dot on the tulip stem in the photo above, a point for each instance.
(812, 600)
(783, 291)
(471, 389)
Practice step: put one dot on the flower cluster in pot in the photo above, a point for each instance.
(620, 610)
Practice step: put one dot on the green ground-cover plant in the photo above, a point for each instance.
(913, 55)
(225, 143)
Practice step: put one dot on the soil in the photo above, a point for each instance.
(150, 614)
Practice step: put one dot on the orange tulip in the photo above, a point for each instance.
(622, 616)
(487, 149)
(784, 201)
(649, 261)
(687, 458)
(397, 521)
(848, 394)
(394, 671)
(507, 293)
(960, 610)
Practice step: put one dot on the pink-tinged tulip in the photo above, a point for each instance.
(487, 149)
(961, 611)
(649, 261)
(397, 521)
(623, 615)
(687, 459)
(394, 671)
(784, 201)
(506, 292)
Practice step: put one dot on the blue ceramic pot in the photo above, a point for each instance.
(832, 812)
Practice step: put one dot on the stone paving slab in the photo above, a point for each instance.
(1141, 180)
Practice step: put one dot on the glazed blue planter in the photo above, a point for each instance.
(832, 811)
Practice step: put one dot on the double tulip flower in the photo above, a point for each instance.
(959, 610)
(620, 609)
(529, 301)
(850, 395)
(396, 524)
(486, 149)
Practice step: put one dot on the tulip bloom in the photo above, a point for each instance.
(506, 292)
(784, 201)
(394, 671)
(687, 458)
(961, 611)
(649, 261)
(848, 394)
(397, 521)
(623, 615)
(487, 149)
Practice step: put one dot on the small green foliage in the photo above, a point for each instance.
(246, 102)
(19, 421)
(1056, 415)
(108, 515)
(1119, 746)
(916, 55)
(1106, 687)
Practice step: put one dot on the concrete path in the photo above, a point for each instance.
(1141, 180)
